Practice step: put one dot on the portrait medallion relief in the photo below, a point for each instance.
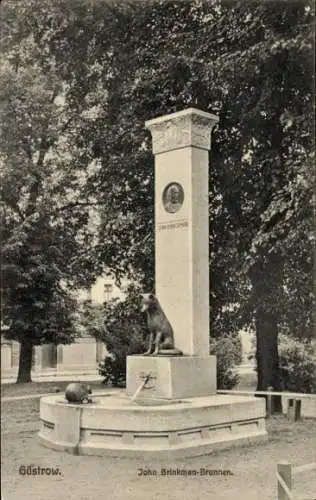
(172, 197)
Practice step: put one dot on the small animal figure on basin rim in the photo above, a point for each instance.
(77, 392)
(161, 338)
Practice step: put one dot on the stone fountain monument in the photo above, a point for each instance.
(170, 407)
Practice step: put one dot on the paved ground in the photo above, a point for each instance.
(53, 378)
(92, 478)
(89, 478)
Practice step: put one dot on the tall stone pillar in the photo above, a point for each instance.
(181, 144)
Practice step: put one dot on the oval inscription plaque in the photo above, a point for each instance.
(172, 197)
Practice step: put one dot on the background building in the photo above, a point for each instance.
(70, 361)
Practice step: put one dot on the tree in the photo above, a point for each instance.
(122, 327)
(248, 62)
(252, 65)
(45, 230)
(263, 144)
(278, 160)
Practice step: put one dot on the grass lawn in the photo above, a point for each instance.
(247, 382)
(8, 390)
(91, 478)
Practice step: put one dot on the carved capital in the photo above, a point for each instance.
(190, 127)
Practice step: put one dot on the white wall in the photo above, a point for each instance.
(98, 294)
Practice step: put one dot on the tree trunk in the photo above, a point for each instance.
(267, 355)
(266, 282)
(25, 361)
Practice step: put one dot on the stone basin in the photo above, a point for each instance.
(150, 428)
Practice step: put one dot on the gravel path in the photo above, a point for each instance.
(91, 478)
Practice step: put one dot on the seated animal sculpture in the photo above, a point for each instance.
(161, 338)
(78, 392)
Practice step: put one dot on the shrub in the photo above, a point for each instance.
(113, 371)
(122, 327)
(228, 351)
(297, 360)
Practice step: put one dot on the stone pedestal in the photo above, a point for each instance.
(172, 377)
(79, 356)
(44, 357)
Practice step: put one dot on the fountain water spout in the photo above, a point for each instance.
(141, 386)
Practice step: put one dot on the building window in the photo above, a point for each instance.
(108, 290)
